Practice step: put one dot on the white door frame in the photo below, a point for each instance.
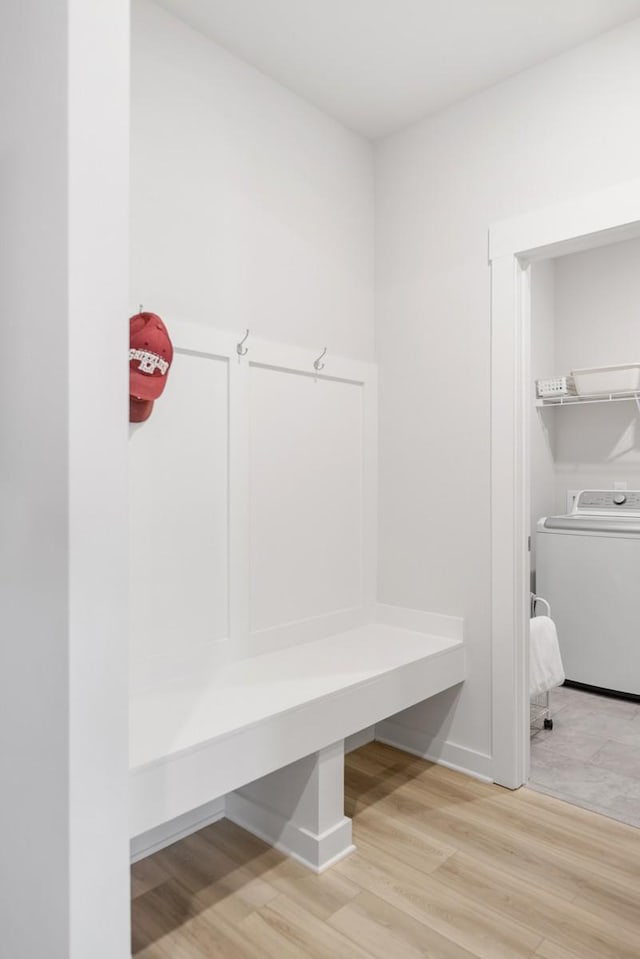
(595, 220)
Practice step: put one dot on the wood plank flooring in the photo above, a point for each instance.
(445, 867)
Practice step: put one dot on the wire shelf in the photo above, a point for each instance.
(586, 398)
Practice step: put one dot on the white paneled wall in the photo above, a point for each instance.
(253, 504)
(306, 474)
(179, 509)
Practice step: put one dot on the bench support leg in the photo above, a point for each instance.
(299, 809)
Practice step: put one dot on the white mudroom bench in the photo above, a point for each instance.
(265, 735)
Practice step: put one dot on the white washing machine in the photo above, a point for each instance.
(588, 568)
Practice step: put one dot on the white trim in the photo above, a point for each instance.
(509, 471)
(169, 832)
(585, 218)
(317, 851)
(370, 491)
(281, 356)
(299, 809)
(601, 218)
(443, 752)
(238, 499)
(192, 337)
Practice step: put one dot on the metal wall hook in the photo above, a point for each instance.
(317, 364)
(241, 349)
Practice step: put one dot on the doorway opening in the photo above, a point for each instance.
(585, 546)
(516, 247)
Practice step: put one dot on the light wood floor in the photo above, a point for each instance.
(445, 867)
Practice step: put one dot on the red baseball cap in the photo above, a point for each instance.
(150, 358)
(139, 410)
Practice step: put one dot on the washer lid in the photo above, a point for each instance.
(594, 524)
(599, 511)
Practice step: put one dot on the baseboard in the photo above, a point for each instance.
(316, 851)
(169, 832)
(443, 752)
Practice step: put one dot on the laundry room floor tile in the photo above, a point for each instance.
(619, 758)
(580, 780)
(591, 757)
(565, 741)
(564, 696)
(578, 700)
(590, 726)
(604, 707)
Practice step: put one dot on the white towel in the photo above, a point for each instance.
(545, 669)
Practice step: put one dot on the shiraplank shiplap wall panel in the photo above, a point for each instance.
(306, 496)
(179, 514)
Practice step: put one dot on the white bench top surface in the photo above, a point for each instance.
(209, 705)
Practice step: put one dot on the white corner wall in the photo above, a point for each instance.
(63, 555)
(565, 128)
(250, 207)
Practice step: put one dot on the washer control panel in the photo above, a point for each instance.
(613, 500)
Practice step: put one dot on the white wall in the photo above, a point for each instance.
(63, 587)
(250, 208)
(543, 422)
(567, 127)
(179, 508)
(306, 469)
(34, 656)
(252, 505)
(597, 324)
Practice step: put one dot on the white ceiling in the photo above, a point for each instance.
(377, 65)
